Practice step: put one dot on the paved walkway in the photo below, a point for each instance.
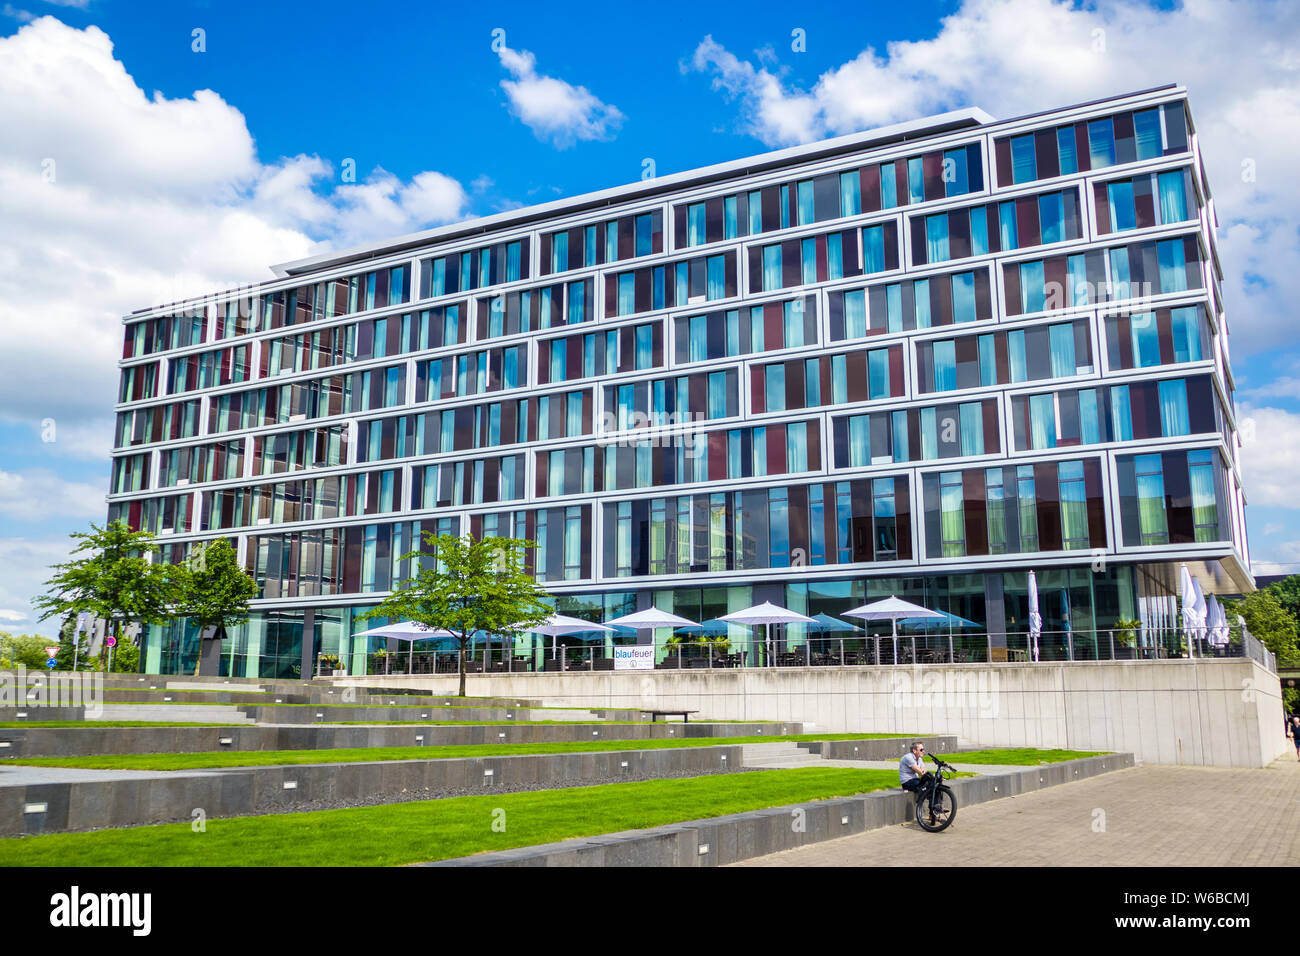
(24, 776)
(1153, 816)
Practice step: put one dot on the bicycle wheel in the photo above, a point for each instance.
(937, 812)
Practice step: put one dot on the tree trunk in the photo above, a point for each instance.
(461, 656)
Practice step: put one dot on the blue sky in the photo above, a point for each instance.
(181, 171)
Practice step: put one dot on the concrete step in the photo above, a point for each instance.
(213, 685)
(174, 713)
(780, 754)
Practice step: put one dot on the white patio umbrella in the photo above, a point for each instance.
(893, 610)
(558, 625)
(1035, 618)
(410, 631)
(651, 618)
(767, 614)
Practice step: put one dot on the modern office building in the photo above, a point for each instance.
(922, 360)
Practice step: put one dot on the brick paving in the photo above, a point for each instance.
(1154, 816)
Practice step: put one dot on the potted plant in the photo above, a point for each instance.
(1126, 637)
(330, 664)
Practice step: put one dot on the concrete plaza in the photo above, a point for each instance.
(1146, 816)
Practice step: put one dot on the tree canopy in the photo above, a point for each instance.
(465, 585)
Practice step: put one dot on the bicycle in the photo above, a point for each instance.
(936, 806)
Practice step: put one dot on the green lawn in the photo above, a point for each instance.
(1023, 755)
(394, 834)
(263, 758)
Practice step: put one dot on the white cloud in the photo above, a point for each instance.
(1270, 455)
(113, 200)
(552, 108)
(39, 495)
(24, 569)
(1239, 62)
(8, 615)
(1272, 528)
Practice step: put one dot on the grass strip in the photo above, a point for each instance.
(1016, 756)
(395, 834)
(267, 758)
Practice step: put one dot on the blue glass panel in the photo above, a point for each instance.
(1032, 287)
(1173, 265)
(1024, 167)
(1007, 225)
(963, 297)
(1065, 150)
(1123, 213)
(888, 186)
(921, 300)
(1173, 198)
(1051, 216)
(956, 176)
(771, 267)
(945, 365)
(1101, 143)
(878, 373)
(1173, 408)
(915, 180)
(936, 238)
(850, 194)
(1061, 344)
(873, 249)
(1146, 126)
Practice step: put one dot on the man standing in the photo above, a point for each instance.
(911, 769)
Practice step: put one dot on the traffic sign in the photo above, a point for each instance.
(111, 642)
(51, 663)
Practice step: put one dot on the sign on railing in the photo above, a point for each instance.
(634, 657)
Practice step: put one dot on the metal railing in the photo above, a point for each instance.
(857, 649)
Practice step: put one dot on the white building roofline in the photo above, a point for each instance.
(967, 118)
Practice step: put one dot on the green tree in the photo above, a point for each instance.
(213, 590)
(464, 586)
(25, 649)
(1287, 591)
(72, 654)
(114, 580)
(1271, 623)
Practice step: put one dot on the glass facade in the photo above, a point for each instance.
(919, 367)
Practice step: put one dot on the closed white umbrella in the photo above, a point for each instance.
(1193, 604)
(1218, 622)
(1035, 618)
(893, 610)
(767, 614)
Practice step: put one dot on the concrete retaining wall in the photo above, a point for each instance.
(173, 797)
(1216, 712)
(10, 714)
(742, 836)
(891, 748)
(272, 714)
(78, 741)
